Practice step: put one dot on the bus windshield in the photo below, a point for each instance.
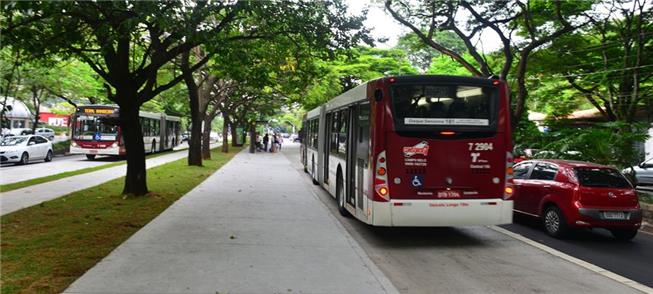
(420, 106)
(95, 128)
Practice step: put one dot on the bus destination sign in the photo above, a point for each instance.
(99, 110)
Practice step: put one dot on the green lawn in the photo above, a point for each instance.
(46, 247)
(50, 178)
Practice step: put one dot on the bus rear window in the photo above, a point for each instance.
(601, 177)
(449, 106)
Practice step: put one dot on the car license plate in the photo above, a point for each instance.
(448, 194)
(614, 215)
(93, 151)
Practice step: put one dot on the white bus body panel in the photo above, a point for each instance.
(442, 213)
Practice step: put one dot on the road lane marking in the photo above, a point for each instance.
(599, 270)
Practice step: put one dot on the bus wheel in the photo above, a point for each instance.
(340, 197)
(90, 156)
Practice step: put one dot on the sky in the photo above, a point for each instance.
(383, 25)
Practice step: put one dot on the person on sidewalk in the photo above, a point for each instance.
(266, 139)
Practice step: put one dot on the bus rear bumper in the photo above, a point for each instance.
(442, 213)
(93, 151)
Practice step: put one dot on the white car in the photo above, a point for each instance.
(22, 149)
(45, 132)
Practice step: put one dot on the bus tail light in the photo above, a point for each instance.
(508, 190)
(381, 179)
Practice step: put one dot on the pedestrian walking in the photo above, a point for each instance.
(266, 139)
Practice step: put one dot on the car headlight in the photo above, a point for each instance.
(73, 144)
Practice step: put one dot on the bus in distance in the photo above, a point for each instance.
(415, 151)
(96, 131)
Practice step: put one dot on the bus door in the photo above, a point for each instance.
(359, 155)
(362, 152)
(327, 134)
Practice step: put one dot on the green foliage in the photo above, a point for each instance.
(421, 55)
(348, 71)
(607, 143)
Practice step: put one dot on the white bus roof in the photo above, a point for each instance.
(354, 95)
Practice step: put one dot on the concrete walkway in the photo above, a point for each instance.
(252, 227)
(29, 196)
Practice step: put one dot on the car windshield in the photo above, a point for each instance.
(601, 177)
(13, 141)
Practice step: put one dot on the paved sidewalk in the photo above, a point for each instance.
(252, 227)
(29, 196)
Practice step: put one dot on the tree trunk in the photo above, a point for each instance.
(195, 141)
(135, 180)
(252, 138)
(234, 135)
(206, 138)
(225, 133)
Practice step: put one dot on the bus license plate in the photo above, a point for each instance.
(448, 194)
(614, 215)
(93, 151)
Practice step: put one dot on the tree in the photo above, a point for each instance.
(608, 64)
(126, 43)
(347, 71)
(521, 26)
(421, 55)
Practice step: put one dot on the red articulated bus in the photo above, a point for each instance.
(96, 131)
(415, 151)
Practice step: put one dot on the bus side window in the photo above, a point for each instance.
(333, 138)
(342, 134)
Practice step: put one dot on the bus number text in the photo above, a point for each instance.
(480, 146)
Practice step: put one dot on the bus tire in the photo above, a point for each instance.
(90, 156)
(340, 197)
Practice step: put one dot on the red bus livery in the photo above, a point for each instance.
(96, 131)
(415, 151)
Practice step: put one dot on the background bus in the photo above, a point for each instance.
(415, 151)
(96, 131)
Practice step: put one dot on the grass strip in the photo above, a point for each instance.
(48, 246)
(50, 178)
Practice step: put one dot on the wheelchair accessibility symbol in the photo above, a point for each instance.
(417, 181)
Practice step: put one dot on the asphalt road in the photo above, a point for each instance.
(466, 259)
(11, 173)
(633, 260)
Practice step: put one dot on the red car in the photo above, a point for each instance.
(573, 194)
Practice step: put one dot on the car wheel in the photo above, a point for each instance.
(48, 157)
(24, 159)
(340, 198)
(90, 156)
(554, 222)
(623, 234)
